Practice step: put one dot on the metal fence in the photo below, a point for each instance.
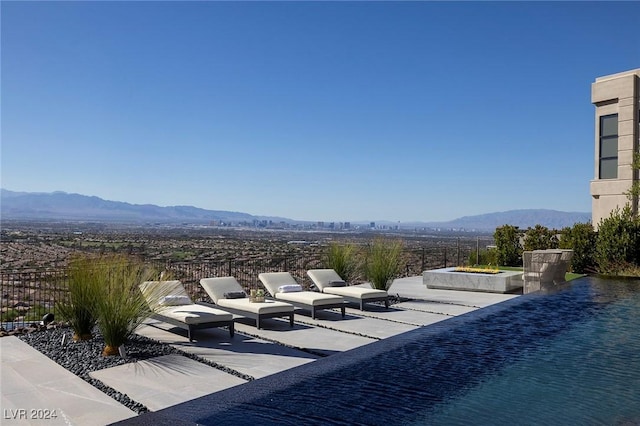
(28, 295)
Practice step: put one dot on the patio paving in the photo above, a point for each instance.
(165, 381)
(410, 315)
(354, 322)
(36, 390)
(244, 353)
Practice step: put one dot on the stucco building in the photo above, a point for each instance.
(617, 133)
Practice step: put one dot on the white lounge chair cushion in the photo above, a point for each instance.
(266, 307)
(324, 277)
(326, 280)
(355, 292)
(154, 291)
(310, 298)
(273, 280)
(218, 287)
(289, 288)
(195, 314)
(175, 300)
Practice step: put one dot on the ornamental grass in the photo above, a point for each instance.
(342, 259)
(84, 289)
(382, 262)
(121, 307)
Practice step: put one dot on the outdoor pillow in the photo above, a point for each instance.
(289, 288)
(235, 295)
(337, 283)
(175, 300)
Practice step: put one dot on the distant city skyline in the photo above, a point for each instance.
(72, 208)
(315, 111)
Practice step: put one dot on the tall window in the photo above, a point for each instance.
(609, 146)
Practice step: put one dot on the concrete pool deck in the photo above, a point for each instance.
(169, 380)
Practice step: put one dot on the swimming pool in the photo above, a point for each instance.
(571, 357)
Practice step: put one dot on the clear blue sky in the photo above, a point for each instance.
(411, 111)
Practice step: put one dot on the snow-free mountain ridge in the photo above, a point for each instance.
(76, 207)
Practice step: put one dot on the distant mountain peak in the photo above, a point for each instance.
(60, 205)
(522, 218)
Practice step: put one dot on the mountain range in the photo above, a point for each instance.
(76, 207)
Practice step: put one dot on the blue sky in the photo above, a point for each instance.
(410, 111)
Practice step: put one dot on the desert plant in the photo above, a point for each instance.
(84, 287)
(121, 307)
(382, 263)
(342, 259)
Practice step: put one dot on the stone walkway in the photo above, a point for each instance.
(165, 381)
(36, 390)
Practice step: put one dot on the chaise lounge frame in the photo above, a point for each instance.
(271, 281)
(322, 278)
(165, 288)
(257, 316)
(191, 327)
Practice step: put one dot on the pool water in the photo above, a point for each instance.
(587, 374)
(570, 357)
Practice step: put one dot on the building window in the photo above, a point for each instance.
(609, 146)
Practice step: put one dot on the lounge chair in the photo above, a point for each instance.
(328, 281)
(227, 293)
(282, 286)
(170, 303)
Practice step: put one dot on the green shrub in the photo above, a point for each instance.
(581, 238)
(487, 257)
(84, 286)
(9, 316)
(342, 259)
(540, 238)
(382, 262)
(618, 242)
(35, 313)
(507, 238)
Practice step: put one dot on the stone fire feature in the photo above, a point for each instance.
(447, 279)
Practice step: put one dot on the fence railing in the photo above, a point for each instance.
(29, 294)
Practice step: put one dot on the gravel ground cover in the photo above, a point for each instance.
(84, 357)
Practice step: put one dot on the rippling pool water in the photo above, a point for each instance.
(587, 373)
(572, 357)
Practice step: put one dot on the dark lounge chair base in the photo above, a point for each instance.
(257, 317)
(314, 309)
(362, 302)
(191, 327)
